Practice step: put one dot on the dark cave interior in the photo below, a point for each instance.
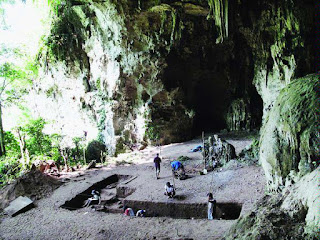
(211, 78)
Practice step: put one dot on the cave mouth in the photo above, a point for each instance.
(112, 189)
(180, 210)
(215, 81)
(204, 90)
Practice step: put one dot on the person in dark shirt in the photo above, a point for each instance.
(157, 161)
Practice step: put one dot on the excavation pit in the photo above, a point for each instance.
(111, 189)
(225, 210)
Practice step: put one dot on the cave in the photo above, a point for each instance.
(213, 77)
(120, 77)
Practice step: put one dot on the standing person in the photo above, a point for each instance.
(211, 206)
(157, 161)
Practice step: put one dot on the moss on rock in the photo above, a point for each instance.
(289, 138)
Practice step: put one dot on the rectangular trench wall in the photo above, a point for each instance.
(226, 211)
(77, 201)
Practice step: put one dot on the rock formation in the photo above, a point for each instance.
(132, 71)
(289, 154)
(289, 146)
(128, 72)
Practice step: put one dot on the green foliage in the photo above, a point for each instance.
(10, 168)
(64, 42)
(152, 132)
(42, 147)
(37, 142)
(53, 91)
(182, 159)
(12, 145)
(15, 82)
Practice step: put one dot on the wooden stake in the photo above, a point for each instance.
(203, 151)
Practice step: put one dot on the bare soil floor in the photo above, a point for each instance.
(236, 183)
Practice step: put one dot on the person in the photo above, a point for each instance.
(141, 213)
(178, 170)
(170, 191)
(157, 161)
(95, 198)
(211, 206)
(175, 165)
(129, 212)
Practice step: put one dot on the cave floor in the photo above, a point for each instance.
(235, 183)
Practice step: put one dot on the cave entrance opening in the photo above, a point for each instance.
(204, 87)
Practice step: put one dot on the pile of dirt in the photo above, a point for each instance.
(33, 184)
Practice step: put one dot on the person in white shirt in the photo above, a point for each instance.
(94, 199)
(211, 206)
(141, 213)
(170, 191)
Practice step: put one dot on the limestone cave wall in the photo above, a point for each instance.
(289, 143)
(130, 71)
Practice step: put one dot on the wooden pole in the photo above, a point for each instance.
(203, 151)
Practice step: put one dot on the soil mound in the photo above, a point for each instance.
(33, 184)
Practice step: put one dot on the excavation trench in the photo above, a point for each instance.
(225, 210)
(112, 189)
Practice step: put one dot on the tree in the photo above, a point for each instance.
(13, 84)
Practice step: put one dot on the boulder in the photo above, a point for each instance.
(92, 164)
(218, 151)
(19, 205)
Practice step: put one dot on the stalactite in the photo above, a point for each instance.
(219, 13)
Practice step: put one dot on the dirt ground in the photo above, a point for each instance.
(236, 183)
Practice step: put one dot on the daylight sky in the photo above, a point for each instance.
(23, 25)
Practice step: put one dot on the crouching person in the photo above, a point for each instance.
(170, 191)
(178, 170)
(141, 213)
(129, 212)
(95, 199)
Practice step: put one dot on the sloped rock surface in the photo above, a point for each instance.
(289, 143)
